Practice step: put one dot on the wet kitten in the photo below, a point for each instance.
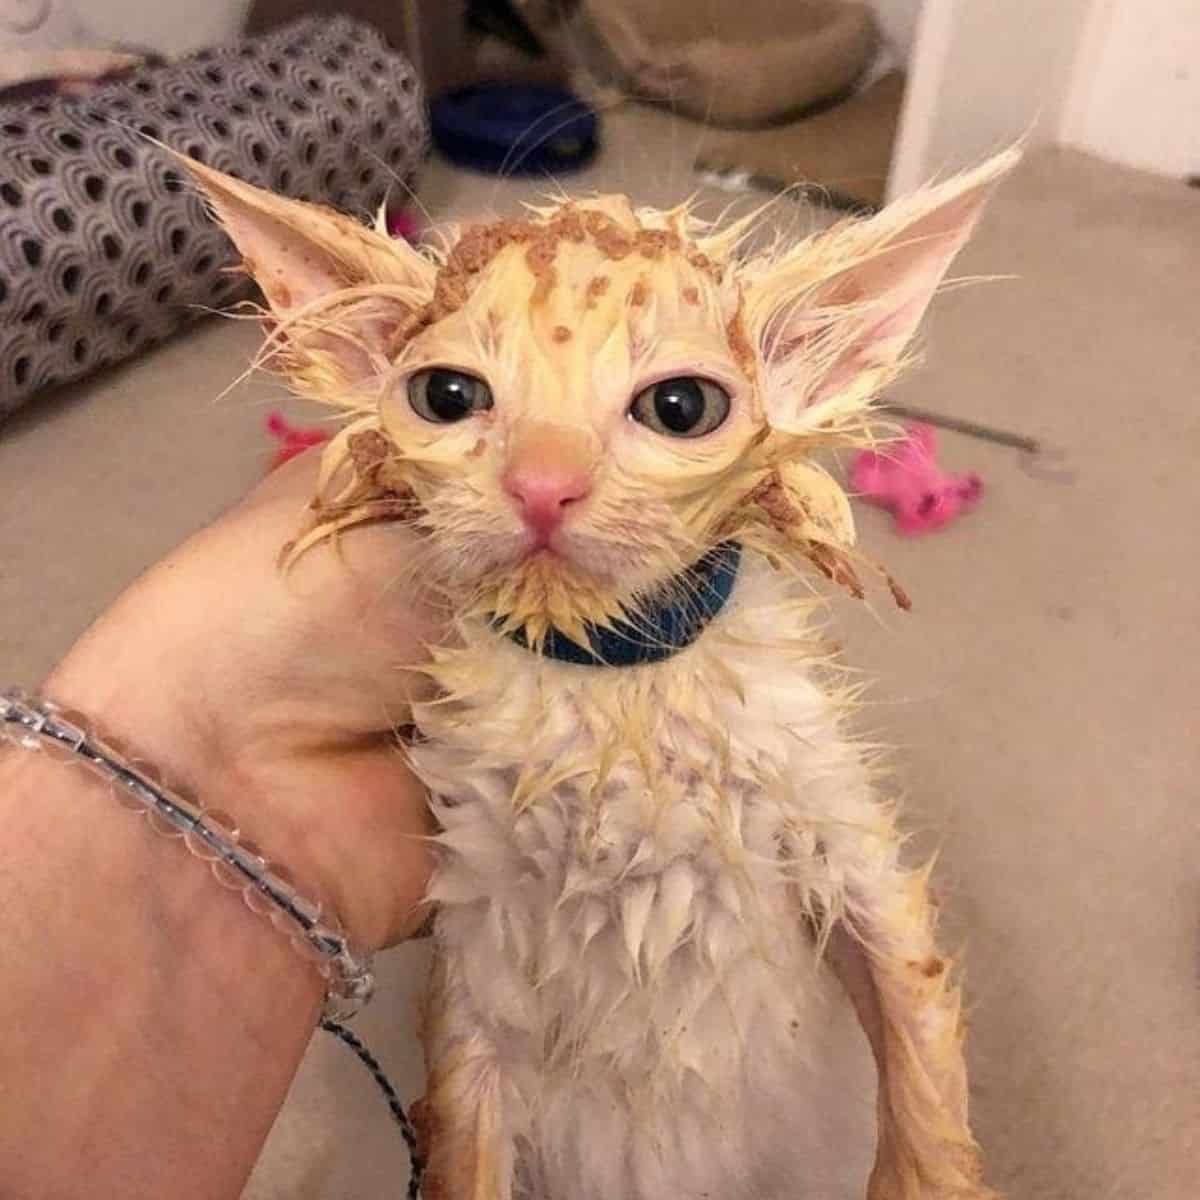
(669, 900)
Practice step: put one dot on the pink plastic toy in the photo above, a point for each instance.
(403, 224)
(291, 438)
(905, 479)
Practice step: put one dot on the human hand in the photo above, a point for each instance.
(274, 696)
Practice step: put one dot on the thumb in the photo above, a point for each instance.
(351, 614)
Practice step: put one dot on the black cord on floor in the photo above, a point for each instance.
(416, 1163)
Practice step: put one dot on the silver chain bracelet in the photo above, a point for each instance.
(211, 836)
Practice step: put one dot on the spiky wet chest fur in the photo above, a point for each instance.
(636, 868)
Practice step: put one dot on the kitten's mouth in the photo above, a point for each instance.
(544, 554)
(564, 575)
(550, 546)
(542, 544)
(558, 551)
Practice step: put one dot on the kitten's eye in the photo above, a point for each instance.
(686, 406)
(444, 396)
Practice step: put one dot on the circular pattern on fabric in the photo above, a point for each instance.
(105, 245)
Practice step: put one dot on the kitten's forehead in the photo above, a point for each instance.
(569, 277)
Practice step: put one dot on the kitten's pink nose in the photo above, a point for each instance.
(544, 491)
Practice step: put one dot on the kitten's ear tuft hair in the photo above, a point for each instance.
(303, 256)
(834, 315)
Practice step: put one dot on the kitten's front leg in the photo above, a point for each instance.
(462, 1121)
(890, 966)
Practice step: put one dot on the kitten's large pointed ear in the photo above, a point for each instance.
(833, 317)
(308, 260)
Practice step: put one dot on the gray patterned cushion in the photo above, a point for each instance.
(106, 249)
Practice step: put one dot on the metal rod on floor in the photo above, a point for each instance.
(988, 433)
(731, 178)
(1037, 459)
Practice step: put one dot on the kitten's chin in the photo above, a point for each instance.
(574, 581)
(547, 589)
(620, 568)
(574, 561)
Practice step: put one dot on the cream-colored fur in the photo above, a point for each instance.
(631, 981)
(669, 899)
(640, 868)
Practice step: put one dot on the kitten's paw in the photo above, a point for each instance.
(894, 1180)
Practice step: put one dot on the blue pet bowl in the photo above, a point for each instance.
(514, 129)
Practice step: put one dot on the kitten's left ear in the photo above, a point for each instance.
(302, 253)
(833, 317)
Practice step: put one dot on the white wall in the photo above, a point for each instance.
(1135, 92)
(169, 26)
(898, 23)
(982, 74)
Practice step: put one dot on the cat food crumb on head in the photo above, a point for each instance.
(739, 343)
(539, 258)
(561, 333)
(653, 243)
(544, 286)
(596, 288)
(570, 223)
(610, 239)
(368, 449)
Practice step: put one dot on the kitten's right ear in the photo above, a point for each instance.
(834, 316)
(308, 259)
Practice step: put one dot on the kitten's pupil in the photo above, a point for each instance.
(679, 404)
(443, 395)
(448, 395)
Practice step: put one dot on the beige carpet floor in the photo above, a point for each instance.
(1043, 694)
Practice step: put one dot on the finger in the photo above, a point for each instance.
(296, 479)
(364, 581)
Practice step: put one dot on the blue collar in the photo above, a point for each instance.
(691, 600)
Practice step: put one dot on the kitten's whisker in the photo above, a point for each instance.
(532, 146)
(526, 135)
(405, 186)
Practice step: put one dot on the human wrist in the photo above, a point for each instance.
(285, 787)
(259, 702)
(279, 889)
(168, 1010)
(136, 886)
(237, 864)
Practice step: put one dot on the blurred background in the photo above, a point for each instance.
(1042, 694)
(1118, 79)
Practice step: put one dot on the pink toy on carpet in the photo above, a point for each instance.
(403, 224)
(291, 438)
(905, 479)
